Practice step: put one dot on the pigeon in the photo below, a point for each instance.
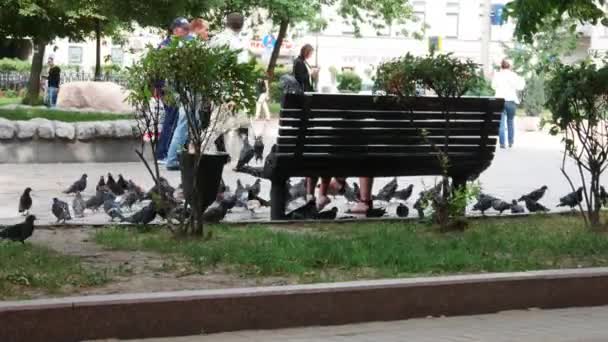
(78, 186)
(166, 188)
(328, 214)
(122, 182)
(375, 212)
(247, 153)
(252, 170)
(388, 191)
(572, 199)
(111, 208)
(241, 194)
(255, 189)
(144, 216)
(113, 186)
(96, 201)
(216, 212)
(534, 207)
(500, 205)
(130, 198)
(403, 211)
(263, 202)
(78, 204)
(535, 195)
(516, 208)
(101, 185)
(61, 210)
(404, 194)
(258, 149)
(229, 199)
(19, 232)
(25, 202)
(483, 203)
(296, 191)
(349, 192)
(603, 196)
(357, 191)
(306, 212)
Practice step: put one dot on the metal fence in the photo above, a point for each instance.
(16, 81)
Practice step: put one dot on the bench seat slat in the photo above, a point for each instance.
(411, 132)
(381, 139)
(388, 149)
(380, 124)
(388, 115)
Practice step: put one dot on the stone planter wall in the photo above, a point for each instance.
(46, 141)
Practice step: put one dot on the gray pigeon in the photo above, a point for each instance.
(516, 208)
(603, 196)
(101, 185)
(216, 212)
(25, 201)
(96, 201)
(247, 153)
(61, 210)
(500, 205)
(255, 189)
(111, 208)
(129, 198)
(403, 211)
(19, 232)
(349, 192)
(296, 191)
(78, 204)
(404, 194)
(483, 203)
(258, 149)
(535, 195)
(572, 199)
(78, 186)
(535, 207)
(144, 216)
(388, 191)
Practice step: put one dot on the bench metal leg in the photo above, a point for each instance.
(278, 198)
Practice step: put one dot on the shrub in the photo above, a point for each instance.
(275, 87)
(482, 88)
(534, 95)
(10, 93)
(349, 81)
(13, 64)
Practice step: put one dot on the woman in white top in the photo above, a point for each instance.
(506, 84)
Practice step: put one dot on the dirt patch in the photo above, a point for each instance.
(134, 271)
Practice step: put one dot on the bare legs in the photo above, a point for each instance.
(365, 200)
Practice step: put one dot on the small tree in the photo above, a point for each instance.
(578, 100)
(349, 81)
(209, 85)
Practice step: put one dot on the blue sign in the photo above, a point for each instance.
(268, 41)
(497, 14)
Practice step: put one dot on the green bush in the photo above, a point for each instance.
(481, 88)
(349, 81)
(13, 64)
(534, 95)
(275, 86)
(10, 93)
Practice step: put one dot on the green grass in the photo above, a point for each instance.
(27, 113)
(28, 268)
(372, 250)
(9, 100)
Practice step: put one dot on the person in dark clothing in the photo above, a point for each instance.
(302, 71)
(54, 79)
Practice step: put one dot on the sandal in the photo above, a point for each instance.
(361, 207)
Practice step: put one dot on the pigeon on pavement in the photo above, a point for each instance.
(78, 204)
(535, 207)
(535, 195)
(113, 186)
(96, 201)
(111, 208)
(19, 232)
(258, 149)
(388, 191)
(516, 208)
(404, 194)
(375, 212)
(403, 211)
(328, 214)
(122, 182)
(306, 212)
(78, 186)
(255, 189)
(349, 192)
(61, 210)
(144, 216)
(101, 185)
(500, 205)
(247, 153)
(216, 212)
(572, 199)
(130, 198)
(296, 191)
(25, 202)
(483, 203)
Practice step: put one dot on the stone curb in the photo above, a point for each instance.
(210, 311)
(36, 129)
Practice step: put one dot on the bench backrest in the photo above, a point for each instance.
(343, 124)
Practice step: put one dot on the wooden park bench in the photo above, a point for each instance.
(338, 135)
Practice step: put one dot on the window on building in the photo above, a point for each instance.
(117, 56)
(452, 19)
(75, 55)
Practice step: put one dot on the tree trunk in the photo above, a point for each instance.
(98, 50)
(33, 86)
(277, 48)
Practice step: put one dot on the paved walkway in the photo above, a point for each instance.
(568, 325)
(535, 161)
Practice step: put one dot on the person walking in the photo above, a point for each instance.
(53, 82)
(262, 103)
(180, 28)
(506, 84)
(200, 30)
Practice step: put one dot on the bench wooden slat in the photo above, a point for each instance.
(381, 139)
(411, 132)
(366, 102)
(477, 125)
(388, 115)
(396, 150)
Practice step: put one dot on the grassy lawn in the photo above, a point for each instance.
(372, 250)
(28, 268)
(9, 100)
(59, 115)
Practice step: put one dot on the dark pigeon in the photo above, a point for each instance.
(61, 210)
(388, 191)
(572, 199)
(500, 205)
(130, 198)
(25, 202)
(96, 201)
(483, 203)
(258, 149)
(255, 171)
(535, 207)
(328, 214)
(255, 189)
(349, 192)
(122, 182)
(375, 212)
(78, 186)
(603, 196)
(306, 212)
(246, 154)
(535, 195)
(101, 185)
(144, 216)
(19, 232)
(111, 208)
(165, 187)
(113, 186)
(404, 194)
(78, 204)
(516, 208)
(216, 212)
(403, 211)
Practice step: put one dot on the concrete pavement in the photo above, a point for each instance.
(535, 161)
(565, 325)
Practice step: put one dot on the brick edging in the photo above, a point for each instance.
(211, 311)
